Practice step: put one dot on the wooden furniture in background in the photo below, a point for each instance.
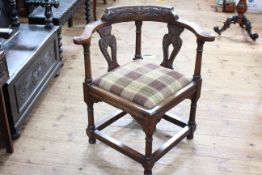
(21, 8)
(228, 6)
(241, 19)
(33, 59)
(4, 124)
(61, 13)
(105, 89)
(94, 8)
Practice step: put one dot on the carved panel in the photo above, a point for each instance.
(32, 78)
(108, 40)
(139, 13)
(172, 37)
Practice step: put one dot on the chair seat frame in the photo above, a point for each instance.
(147, 118)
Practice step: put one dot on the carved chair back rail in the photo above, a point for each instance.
(146, 114)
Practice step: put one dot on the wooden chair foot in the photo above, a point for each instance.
(193, 129)
(16, 134)
(148, 172)
(92, 141)
(190, 136)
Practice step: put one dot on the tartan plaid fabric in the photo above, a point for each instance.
(143, 83)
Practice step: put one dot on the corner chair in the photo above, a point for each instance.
(144, 90)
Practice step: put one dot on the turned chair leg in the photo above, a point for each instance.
(149, 129)
(192, 118)
(91, 126)
(70, 22)
(94, 9)
(148, 154)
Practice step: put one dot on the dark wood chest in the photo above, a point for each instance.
(33, 60)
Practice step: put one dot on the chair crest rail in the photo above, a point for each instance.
(139, 13)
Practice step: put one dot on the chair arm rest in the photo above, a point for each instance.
(5, 33)
(90, 28)
(196, 29)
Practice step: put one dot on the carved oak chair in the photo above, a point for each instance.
(144, 90)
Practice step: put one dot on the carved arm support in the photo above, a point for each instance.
(85, 41)
(197, 72)
(90, 28)
(47, 4)
(202, 37)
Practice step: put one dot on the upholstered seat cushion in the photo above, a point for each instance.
(143, 83)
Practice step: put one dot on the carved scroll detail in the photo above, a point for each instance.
(172, 37)
(108, 40)
(139, 13)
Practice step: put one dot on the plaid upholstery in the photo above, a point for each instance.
(143, 83)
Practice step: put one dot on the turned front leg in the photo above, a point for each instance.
(149, 128)
(87, 96)
(192, 118)
(91, 123)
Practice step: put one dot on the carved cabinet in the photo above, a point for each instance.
(32, 63)
(33, 57)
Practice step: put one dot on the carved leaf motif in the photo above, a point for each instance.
(27, 84)
(172, 37)
(108, 40)
(139, 13)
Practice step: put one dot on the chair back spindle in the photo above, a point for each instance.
(197, 71)
(138, 54)
(88, 70)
